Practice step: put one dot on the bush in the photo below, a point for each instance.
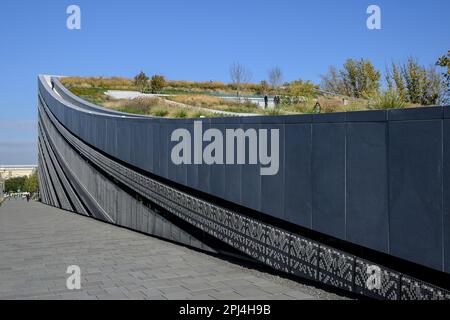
(157, 83)
(201, 114)
(180, 113)
(160, 111)
(15, 184)
(389, 99)
(141, 81)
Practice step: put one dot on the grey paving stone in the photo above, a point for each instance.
(38, 243)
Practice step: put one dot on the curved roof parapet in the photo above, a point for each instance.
(55, 86)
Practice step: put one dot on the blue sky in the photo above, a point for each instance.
(197, 40)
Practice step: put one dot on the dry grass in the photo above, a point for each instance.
(211, 86)
(98, 82)
(327, 105)
(155, 106)
(120, 83)
(216, 103)
(198, 100)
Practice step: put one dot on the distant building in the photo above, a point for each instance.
(8, 172)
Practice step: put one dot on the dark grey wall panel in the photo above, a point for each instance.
(272, 187)
(124, 142)
(251, 193)
(100, 130)
(204, 172)
(233, 173)
(111, 137)
(138, 145)
(164, 155)
(328, 178)
(156, 148)
(233, 187)
(175, 172)
(415, 161)
(147, 152)
(446, 196)
(297, 174)
(367, 185)
(192, 171)
(217, 173)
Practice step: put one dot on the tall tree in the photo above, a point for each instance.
(332, 81)
(263, 87)
(414, 79)
(239, 75)
(31, 184)
(361, 79)
(141, 81)
(275, 78)
(444, 62)
(358, 79)
(399, 82)
(415, 83)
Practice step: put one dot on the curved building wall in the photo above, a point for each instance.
(375, 179)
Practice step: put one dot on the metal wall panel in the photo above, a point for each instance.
(367, 185)
(415, 167)
(272, 187)
(446, 195)
(328, 178)
(297, 188)
(217, 173)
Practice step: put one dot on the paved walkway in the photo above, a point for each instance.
(38, 243)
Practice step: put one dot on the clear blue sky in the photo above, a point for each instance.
(197, 40)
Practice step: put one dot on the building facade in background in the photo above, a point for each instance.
(8, 172)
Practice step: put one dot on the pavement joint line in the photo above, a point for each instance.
(39, 242)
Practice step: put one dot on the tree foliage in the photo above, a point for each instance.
(444, 62)
(141, 81)
(32, 183)
(357, 78)
(22, 184)
(157, 83)
(415, 83)
(390, 99)
(302, 88)
(15, 184)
